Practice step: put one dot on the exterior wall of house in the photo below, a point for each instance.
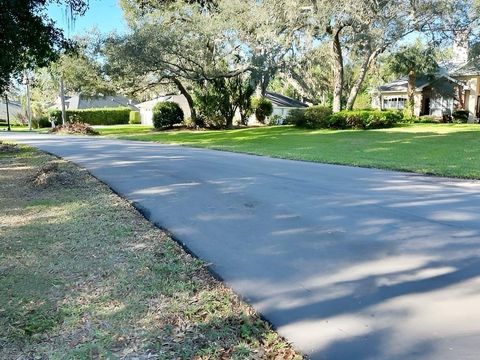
(378, 100)
(146, 108)
(280, 111)
(471, 97)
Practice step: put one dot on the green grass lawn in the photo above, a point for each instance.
(437, 149)
(84, 276)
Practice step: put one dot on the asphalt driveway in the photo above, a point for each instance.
(347, 263)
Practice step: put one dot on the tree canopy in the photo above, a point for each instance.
(28, 38)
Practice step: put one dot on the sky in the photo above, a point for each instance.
(105, 15)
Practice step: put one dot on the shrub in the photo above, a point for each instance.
(322, 117)
(317, 117)
(427, 119)
(263, 108)
(295, 117)
(135, 118)
(104, 116)
(43, 122)
(460, 116)
(275, 120)
(56, 116)
(366, 119)
(166, 114)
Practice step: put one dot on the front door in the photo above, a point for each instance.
(426, 106)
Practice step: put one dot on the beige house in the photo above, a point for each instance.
(436, 96)
(469, 74)
(455, 87)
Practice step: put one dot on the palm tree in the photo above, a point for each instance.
(413, 60)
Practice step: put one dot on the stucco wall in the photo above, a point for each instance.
(471, 102)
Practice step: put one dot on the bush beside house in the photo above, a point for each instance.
(103, 116)
(460, 116)
(166, 115)
(321, 117)
(135, 118)
(263, 108)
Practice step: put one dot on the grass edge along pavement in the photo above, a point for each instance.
(84, 275)
(449, 150)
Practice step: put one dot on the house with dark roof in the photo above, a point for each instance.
(283, 104)
(14, 108)
(79, 101)
(435, 95)
(454, 87)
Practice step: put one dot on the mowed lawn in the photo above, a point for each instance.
(84, 276)
(437, 149)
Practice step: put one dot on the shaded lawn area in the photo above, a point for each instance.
(83, 275)
(437, 149)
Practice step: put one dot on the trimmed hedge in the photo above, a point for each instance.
(166, 114)
(365, 119)
(135, 118)
(104, 116)
(322, 118)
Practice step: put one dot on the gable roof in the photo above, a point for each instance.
(78, 101)
(401, 85)
(14, 108)
(280, 100)
(470, 68)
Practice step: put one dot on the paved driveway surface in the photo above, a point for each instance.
(347, 263)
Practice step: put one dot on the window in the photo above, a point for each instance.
(394, 103)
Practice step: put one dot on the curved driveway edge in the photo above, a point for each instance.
(347, 263)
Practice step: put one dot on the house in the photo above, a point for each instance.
(437, 95)
(456, 86)
(14, 109)
(146, 108)
(281, 104)
(78, 101)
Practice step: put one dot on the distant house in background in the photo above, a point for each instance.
(78, 101)
(146, 108)
(14, 108)
(456, 86)
(282, 104)
(436, 96)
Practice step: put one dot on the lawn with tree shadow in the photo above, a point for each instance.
(84, 275)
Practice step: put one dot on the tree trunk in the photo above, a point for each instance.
(412, 77)
(229, 122)
(337, 70)
(184, 92)
(369, 58)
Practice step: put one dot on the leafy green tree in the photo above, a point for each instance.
(28, 38)
(219, 99)
(411, 61)
(366, 29)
